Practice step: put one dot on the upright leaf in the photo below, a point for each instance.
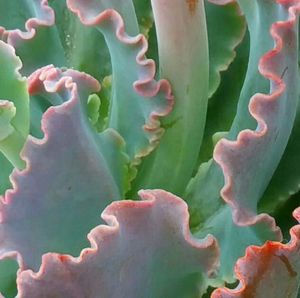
(134, 90)
(183, 57)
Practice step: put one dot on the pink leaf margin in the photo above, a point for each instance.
(28, 280)
(256, 267)
(36, 84)
(45, 18)
(225, 147)
(146, 85)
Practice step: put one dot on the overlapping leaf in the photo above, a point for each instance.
(270, 270)
(256, 153)
(134, 90)
(14, 111)
(146, 249)
(71, 174)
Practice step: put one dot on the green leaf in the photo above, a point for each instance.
(248, 174)
(223, 37)
(14, 111)
(185, 65)
(138, 101)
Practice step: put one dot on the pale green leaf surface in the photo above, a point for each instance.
(185, 65)
(15, 109)
(226, 28)
(138, 101)
(223, 104)
(204, 190)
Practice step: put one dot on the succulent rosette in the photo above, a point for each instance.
(149, 148)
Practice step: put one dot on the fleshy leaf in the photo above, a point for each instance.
(7, 113)
(146, 249)
(71, 174)
(286, 179)
(234, 239)
(222, 39)
(271, 270)
(185, 65)
(23, 20)
(204, 189)
(135, 93)
(246, 174)
(14, 106)
(222, 105)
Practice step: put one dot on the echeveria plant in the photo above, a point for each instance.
(194, 168)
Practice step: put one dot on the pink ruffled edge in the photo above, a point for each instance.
(148, 199)
(247, 134)
(47, 18)
(146, 85)
(36, 84)
(256, 254)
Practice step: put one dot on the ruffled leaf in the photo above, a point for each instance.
(71, 174)
(270, 270)
(135, 93)
(24, 18)
(146, 249)
(248, 174)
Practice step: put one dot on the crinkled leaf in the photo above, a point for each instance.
(23, 18)
(137, 99)
(272, 270)
(233, 239)
(146, 249)
(246, 174)
(277, 109)
(71, 175)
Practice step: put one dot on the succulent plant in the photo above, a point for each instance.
(149, 149)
